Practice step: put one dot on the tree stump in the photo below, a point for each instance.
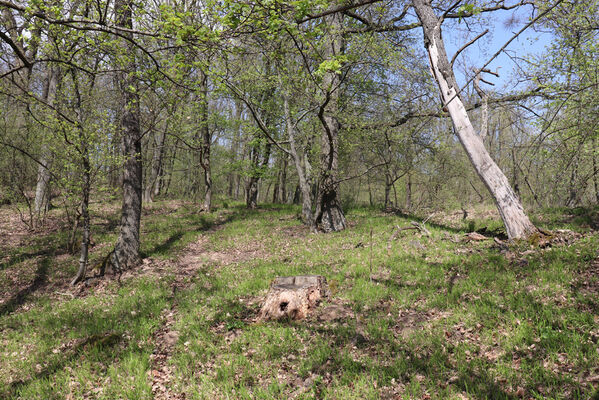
(293, 297)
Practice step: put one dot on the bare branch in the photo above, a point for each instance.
(455, 56)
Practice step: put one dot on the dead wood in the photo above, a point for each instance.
(293, 297)
(475, 236)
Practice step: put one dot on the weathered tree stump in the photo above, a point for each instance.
(293, 297)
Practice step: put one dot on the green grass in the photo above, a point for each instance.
(435, 317)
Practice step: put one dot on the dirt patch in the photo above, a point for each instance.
(201, 252)
(295, 231)
(160, 373)
(410, 320)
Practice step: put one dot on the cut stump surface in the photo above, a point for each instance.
(293, 297)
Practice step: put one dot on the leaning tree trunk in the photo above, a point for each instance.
(516, 221)
(329, 214)
(126, 251)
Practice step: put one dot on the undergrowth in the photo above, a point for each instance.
(436, 316)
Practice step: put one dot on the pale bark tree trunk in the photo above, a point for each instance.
(275, 192)
(153, 186)
(302, 168)
(233, 191)
(516, 222)
(42, 187)
(126, 251)
(329, 214)
(283, 181)
(484, 118)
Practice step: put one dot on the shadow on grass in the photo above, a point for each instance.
(431, 361)
(106, 341)
(102, 336)
(580, 218)
(18, 258)
(40, 280)
(201, 225)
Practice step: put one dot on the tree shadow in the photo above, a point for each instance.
(105, 340)
(471, 376)
(40, 280)
(18, 258)
(203, 225)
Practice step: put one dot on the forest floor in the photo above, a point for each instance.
(450, 315)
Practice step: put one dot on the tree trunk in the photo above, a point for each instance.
(573, 197)
(275, 192)
(283, 181)
(126, 251)
(233, 190)
(42, 187)
(516, 221)
(251, 190)
(258, 171)
(303, 171)
(409, 193)
(85, 189)
(388, 185)
(595, 170)
(153, 186)
(329, 214)
(83, 149)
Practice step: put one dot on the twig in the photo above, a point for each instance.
(395, 234)
(421, 227)
(466, 45)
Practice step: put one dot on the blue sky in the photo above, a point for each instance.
(530, 43)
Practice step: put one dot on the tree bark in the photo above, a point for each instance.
(153, 186)
(275, 192)
(595, 169)
(206, 143)
(303, 171)
(126, 251)
(283, 181)
(85, 190)
(388, 185)
(329, 214)
(258, 166)
(409, 192)
(233, 190)
(42, 187)
(516, 222)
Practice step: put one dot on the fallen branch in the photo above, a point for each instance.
(398, 229)
(421, 227)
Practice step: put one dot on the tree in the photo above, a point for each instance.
(329, 214)
(126, 250)
(516, 222)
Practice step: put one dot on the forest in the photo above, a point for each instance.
(275, 199)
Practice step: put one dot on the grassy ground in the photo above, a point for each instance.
(418, 317)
